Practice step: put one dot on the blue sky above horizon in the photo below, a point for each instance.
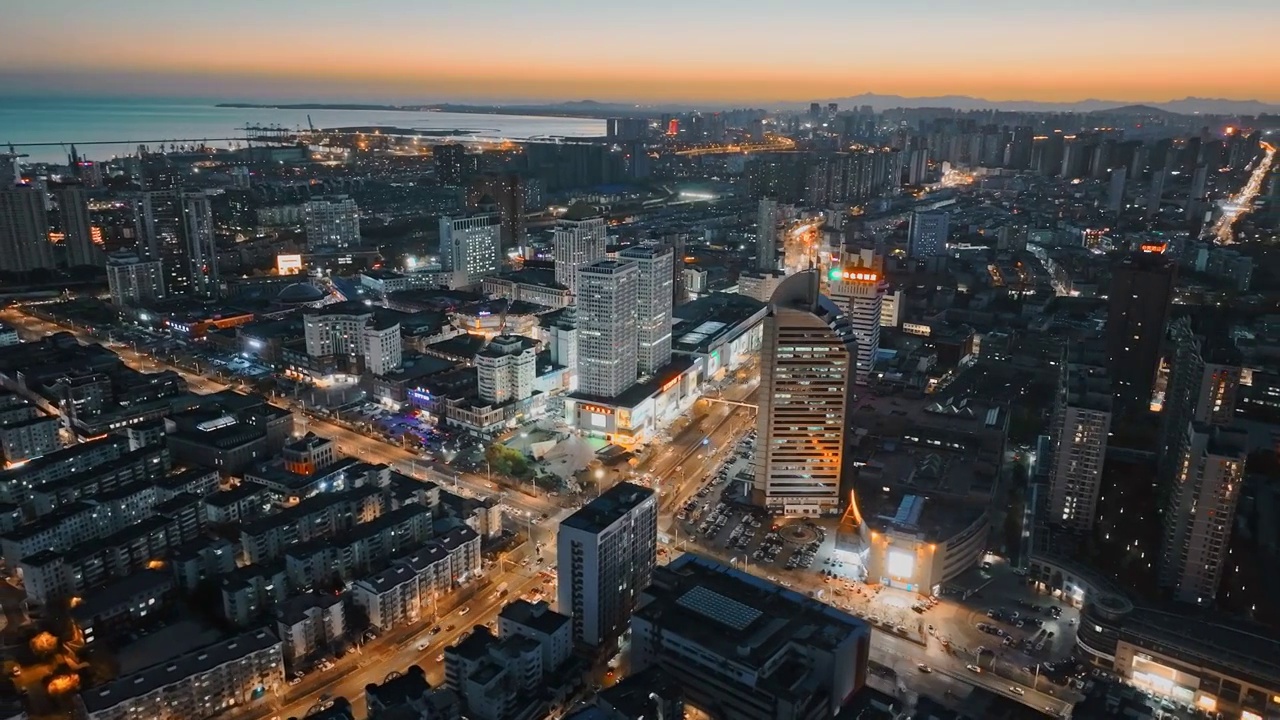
(659, 51)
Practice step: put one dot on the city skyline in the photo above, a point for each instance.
(396, 52)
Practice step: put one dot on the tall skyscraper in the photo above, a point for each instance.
(679, 293)
(580, 238)
(1081, 426)
(1203, 387)
(1155, 193)
(450, 160)
(1200, 512)
(10, 170)
(472, 244)
(176, 228)
(202, 248)
(1019, 153)
(1115, 191)
(332, 223)
(806, 378)
(73, 214)
(857, 286)
(653, 306)
(132, 280)
(928, 234)
(24, 230)
(607, 298)
(767, 222)
(918, 171)
(1138, 303)
(607, 552)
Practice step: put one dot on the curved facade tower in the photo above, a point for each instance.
(807, 365)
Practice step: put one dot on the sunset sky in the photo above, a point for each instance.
(748, 51)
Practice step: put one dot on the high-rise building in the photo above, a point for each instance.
(918, 170)
(1138, 303)
(506, 369)
(24, 230)
(767, 222)
(450, 161)
(562, 343)
(73, 213)
(607, 299)
(1200, 511)
(10, 170)
(653, 306)
(580, 238)
(1115, 191)
(679, 293)
(1081, 426)
(1155, 193)
(133, 281)
(807, 359)
(176, 228)
(352, 329)
(505, 194)
(1203, 386)
(1019, 151)
(928, 234)
(332, 223)
(607, 552)
(857, 286)
(472, 245)
(202, 248)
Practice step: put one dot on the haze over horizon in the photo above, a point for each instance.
(400, 51)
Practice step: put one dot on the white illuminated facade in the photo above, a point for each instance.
(607, 299)
(472, 245)
(579, 240)
(343, 330)
(506, 369)
(653, 305)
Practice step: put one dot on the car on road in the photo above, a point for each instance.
(440, 657)
(423, 644)
(924, 668)
(1017, 690)
(973, 668)
(464, 611)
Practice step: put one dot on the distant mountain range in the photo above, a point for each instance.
(880, 103)
(1185, 106)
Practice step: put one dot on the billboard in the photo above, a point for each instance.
(288, 264)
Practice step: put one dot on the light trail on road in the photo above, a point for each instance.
(1223, 230)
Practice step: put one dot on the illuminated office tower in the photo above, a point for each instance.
(607, 296)
(653, 306)
(579, 240)
(857, 286)
(806, 377)
(132, 280)
(176, 228)
(472, 244)
(202, 248)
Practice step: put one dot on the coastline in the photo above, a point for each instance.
(534, 111)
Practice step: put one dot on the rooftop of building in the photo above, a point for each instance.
(610, 507)
(407, 686)
(540, 277)
(463, 347)
(243, 491)
(106, 600)
(384, 580)
(184, 666)
(734, 614)
(607, 266)
(504, 345)
(538, 616)
(497, 307)
(641, 391)
(380, 274)
(294, 610)
(711, 320)
(580, 211)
